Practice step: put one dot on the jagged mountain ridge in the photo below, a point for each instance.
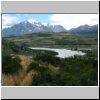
(27, 27)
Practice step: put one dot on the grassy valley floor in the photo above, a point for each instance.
(22, 66)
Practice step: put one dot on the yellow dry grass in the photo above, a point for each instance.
(27, 81)
(25, 61)
(7, 80)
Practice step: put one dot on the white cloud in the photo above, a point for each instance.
(73, 20)
(8, 21)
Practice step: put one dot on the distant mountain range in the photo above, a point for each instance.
(27, 27)
(85, 29)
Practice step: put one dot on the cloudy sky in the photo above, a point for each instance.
(67, 20)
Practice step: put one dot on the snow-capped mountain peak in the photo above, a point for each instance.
(34, 22)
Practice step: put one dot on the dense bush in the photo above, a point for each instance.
(45, 77)
(74, 71)
(33, 66)
(14, 47)
(48, 57)
(79, 71)
(10, 65)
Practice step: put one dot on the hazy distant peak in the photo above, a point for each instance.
(85, 29)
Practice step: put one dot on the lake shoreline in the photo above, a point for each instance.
(62, 53)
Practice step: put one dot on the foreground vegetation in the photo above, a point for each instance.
(51, 70)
